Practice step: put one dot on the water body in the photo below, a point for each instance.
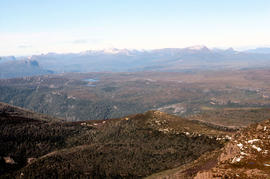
(90, 81)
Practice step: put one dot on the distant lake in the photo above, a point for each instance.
(90, 80)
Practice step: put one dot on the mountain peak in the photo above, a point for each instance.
(197, 47)
(221, 50)
(112, 50)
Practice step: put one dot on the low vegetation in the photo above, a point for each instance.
(97, 96)
(133, 146)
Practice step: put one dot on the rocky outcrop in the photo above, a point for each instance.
(245, 156)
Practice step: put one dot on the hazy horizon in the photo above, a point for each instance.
(34, 27)
(240, 49)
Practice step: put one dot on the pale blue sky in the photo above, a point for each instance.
(41, 26)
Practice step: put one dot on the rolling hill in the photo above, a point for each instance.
(133, 146)
(153, 145)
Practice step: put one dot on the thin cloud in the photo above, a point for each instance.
(86, 41)
(24, 46)
(80, 41)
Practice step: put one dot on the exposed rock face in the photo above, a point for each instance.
(9, 160)
(245, 156)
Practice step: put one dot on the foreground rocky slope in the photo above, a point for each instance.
(246, 156)
(130, 147)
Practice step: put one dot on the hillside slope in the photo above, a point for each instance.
(25, 135)
(133, 146)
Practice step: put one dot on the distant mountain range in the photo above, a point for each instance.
(263, 50)
(116, 60)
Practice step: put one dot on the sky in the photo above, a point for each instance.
(40, 26)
